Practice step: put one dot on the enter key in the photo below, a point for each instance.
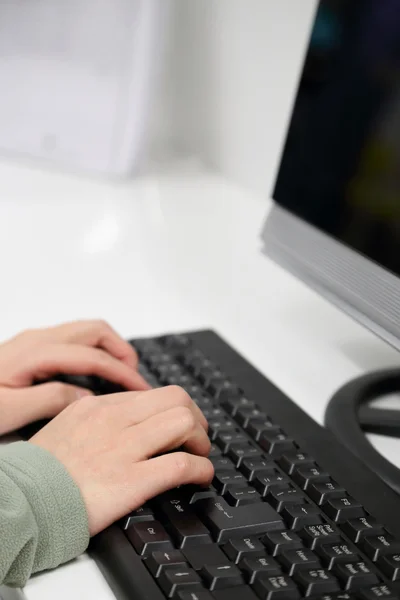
(226, 522)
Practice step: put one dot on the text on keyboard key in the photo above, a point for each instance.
(278, 541)
(377, 546)
(355, 575)
(376, 592)
(254, 566)
(295, 560)
(332, 554)
(147, 537)
(357, 529)
(390, 566)
(175, 579)
(314, 582)
(158, 561)
(185, 526)
(279, 587)
(227, 522)
(221, 576)
(314, 535)
(342, 509)
(241, 547)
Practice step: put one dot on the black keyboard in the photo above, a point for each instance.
(290, 513)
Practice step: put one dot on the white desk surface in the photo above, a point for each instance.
(170, 251)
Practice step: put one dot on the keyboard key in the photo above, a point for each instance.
(254, 566)
(275, 444)
(149, 537)
(355, 575)
(158, 561)
(214, 451)
(331, 554)
(290, 461)
(314, 535)
(224, 480)
(199, 556)
(242, 547)
(343, 509)
(226, 522)
(243, 592)
(297, 516)
(216, 426)
(377, 546)
(209, 374)
(194, 595)
(181, 379)
(264, 481)
(279, 496)
(137, 516)
(194, 493)
(252, 467)
(314, 582)
(357, 529)
(176, 343)
(232, 403)
(321, 491)
(239, 452)
(221, 576)
(225, 440)
(277, 587)
(208, 409)
(174, 580)
(245, 415)
(277, 542)
(223, 464)
(294, 560)
(241, 496)
(256, 428)
(376, 592)
(390, 566)
(185, 526)
(304, 476)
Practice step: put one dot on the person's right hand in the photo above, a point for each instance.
(111, 446)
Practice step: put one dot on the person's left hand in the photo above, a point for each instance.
(81, 348)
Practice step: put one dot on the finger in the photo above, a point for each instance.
(28, 405)
(97, 334)
(71, 359)
(170, 430)
(158, 475)
(141, 406)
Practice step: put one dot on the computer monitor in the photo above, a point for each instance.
(336, 216)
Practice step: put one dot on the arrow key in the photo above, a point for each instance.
(172, 581)
(221, 576)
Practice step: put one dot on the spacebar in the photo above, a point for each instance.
(226, 522)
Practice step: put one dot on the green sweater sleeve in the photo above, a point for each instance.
(43, 520)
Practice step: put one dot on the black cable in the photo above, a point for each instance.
(348, 418)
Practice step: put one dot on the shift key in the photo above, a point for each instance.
(226, 522)
(185, 526)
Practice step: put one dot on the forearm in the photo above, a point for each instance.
(43, 521)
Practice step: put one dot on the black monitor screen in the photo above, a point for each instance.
(341, 161)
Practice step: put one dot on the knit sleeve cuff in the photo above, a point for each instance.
(55, 501)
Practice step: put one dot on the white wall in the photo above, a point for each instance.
(230, 64)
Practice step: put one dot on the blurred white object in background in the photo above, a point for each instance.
(77, 79)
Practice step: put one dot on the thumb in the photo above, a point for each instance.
(19, 407)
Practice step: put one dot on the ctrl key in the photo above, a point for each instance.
(172, 581)
(148, 537)
(276, 588)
